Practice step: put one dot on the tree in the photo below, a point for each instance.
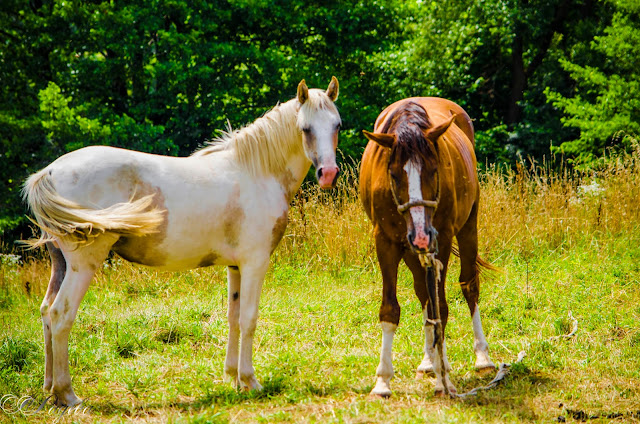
(495, 58)
(605, 102)
(164, 76)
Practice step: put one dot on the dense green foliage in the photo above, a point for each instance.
(164, 76)
(606, 104)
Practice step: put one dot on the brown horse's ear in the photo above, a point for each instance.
(385, 140)
(303, 92)
(435, 132)
(332, 91)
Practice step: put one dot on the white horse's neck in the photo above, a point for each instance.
(286, 138)
(297, 169)
(269, 147)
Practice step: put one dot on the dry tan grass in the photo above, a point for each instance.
(535, 207)
(522, 210)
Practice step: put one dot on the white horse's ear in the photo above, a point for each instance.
(303, 92)
(385, 140)
(333, 89)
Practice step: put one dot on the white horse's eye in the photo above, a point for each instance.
(306, 130)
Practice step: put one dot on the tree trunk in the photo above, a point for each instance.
(520, 73)
(518, 82)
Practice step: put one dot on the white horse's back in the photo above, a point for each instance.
(197, 205)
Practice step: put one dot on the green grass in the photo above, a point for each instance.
(150, 346)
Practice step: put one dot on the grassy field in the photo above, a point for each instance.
(149, 346)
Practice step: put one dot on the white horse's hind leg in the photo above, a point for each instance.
(233, 316)
(58, 267)
(82, 263)
(252, 277)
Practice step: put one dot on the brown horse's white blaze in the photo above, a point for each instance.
(421, 234)
(419, 187)
(226, 204)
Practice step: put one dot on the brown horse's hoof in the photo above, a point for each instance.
(440, 393)
(381, 389)
(422, 374)
(384, 396)
(490, 369)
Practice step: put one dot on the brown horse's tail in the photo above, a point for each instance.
(481, 264)
(61, 218)
(486, 266)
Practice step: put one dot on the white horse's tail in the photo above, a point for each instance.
(61, 218)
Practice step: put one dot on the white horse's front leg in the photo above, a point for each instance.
(251, 282)
(233, 316)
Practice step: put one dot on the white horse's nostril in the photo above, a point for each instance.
(327, 176)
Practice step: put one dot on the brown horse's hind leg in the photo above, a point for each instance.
(58, 269)
(389, 255)
(470, 285)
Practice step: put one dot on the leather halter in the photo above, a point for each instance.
(402, 208)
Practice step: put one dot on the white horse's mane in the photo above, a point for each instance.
(264, 146)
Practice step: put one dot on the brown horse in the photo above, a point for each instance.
(419, 187)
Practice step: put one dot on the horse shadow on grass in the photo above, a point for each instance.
(223, 395)
(509, 395)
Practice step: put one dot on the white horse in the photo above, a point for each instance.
(226, 204)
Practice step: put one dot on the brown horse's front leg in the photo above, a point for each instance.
(389, 255)
(434, 334)
(435, 309)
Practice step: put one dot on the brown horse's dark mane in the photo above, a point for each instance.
(409, 123)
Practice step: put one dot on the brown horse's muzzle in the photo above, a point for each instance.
(425, 241)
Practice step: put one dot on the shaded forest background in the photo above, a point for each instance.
(540, 77)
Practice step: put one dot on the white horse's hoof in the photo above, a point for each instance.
(483, 362)
(250, 383)
(231, 376)
(65, 398)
